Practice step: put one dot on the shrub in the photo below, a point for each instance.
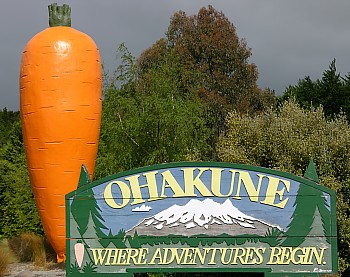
(286, 140)
(39, 252)
(22, 248)
(51, 256)
(4, 262)
(29, 248)
(18, 213)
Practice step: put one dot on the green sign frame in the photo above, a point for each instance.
(201, 217)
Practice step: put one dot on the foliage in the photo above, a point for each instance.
(331, 91)
(286, 140)
(274, 236)
(215, 66)
(7, 119)
(74, 269)
(39, 250)
(146, 121)
(4, 262)
(18, 212)
(89, 268)
(28, 247)
(170, 105)
(209, 48)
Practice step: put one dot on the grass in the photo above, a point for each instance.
(4, 262)
(6, 257)
(29, 247)
(6, 251)
(22, 247)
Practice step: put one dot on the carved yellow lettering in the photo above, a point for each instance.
(191, 182)
(165, 256)
(223, 255)
(272, 192)
(176, 255)
(112, 254)
(188, 256)
(99, 255)
(121, 260)
(238, 256)
(252, 191)
(132, 255)
(151, 185)
(157, 256)
(142, 256)
(249, 257)
(295, 255)
(170, 182)
(259, 255)
(275, 255)
(213, 254)
(201, 256)
(318, 256)
(216, 183)
(124, 194)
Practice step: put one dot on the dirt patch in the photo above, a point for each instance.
(29, 270)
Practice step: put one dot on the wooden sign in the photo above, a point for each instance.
(202, 217)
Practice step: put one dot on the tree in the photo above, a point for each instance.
(7, 119)
(215, 65)
(305, 92)
(207, 43)
(331, 91)
(18, 212)
(286, 140)
(146, 121)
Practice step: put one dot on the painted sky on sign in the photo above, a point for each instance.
(126, 218)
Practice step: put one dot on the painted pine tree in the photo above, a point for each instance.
(85, 207)
(309, 203)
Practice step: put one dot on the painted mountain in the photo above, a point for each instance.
(201, 217)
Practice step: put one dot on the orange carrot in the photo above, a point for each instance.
(60, 100)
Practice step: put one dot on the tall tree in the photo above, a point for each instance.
(331, 91)
(208, 44)
(215, 65)
(146, 121)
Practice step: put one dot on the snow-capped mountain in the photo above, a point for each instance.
(201, 217)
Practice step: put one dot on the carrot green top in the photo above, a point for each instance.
(59, 15)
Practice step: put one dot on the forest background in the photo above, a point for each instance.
(193, 96)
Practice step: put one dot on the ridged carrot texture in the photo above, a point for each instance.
(60, 101)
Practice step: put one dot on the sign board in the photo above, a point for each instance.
(202, 217)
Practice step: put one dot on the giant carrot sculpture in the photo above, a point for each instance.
(60, 100)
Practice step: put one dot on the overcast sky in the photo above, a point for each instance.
(289, 38)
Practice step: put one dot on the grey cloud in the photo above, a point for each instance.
(289, 39)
